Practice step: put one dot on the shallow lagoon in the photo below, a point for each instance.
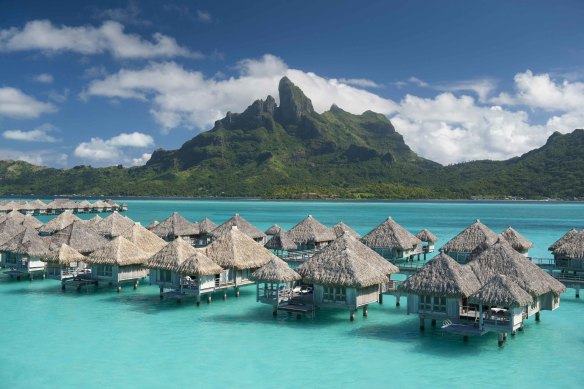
(99, 338)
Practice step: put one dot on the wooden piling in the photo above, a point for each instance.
(501, 340)
(397, 301)
(433, 322)
(198, 300)
(380, 298)
(208, 299)
(365, 310)
(422, 324)
(352, 315)
(537, 316)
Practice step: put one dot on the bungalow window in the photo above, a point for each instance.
(425, 303)
(341, 294)
(439, 304)
(104, 270)
(165, 276)
(334, 295)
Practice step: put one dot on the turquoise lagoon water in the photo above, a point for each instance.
(97, 338)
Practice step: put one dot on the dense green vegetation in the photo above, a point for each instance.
(291, 151)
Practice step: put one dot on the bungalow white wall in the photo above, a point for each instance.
(339, 296)
(549, 302)
(434, 307)
(395, 253)
(165, 278)
(117, 274)
(22, 263)
(55, 271)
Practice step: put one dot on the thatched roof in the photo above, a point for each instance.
(175, 225)
(60, 222)
(281, 241)
(341, 228)
(501, 258)
(28, 242)
(118, 252)
(346, 262)
(101, 204)
(13, 215)
(84, 204)
(114, 225)
(310, 230)
(477, 235)
(32, 222)
(241, 224)
(152, 225)
(78, 236)
(502, 291)
(426, 236)
(171, 256)
(275, 271)
(442, 277)
(206, 226)
(199, 265)
(10, 228)
(567, 236)
(93, 222)
(273, 230)
(63, 255)
(390, 235)
(37, 204)
(572, 248)
(236, 250)
(146, 240)
(517, 241)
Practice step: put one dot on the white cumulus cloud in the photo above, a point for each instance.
(140, 161)
(182, 97)
(108, 38)
(113, 150)
(44, 78)
(36, 157)
(16, 104)
(39, 134)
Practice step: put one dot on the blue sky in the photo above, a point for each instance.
(105, 83)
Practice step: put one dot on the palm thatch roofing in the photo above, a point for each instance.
(37, 204)
(442, 277)
(341, 228)
(199, 265)
(572, 248)
(28, 242)
(276, 271)
(475, 236)
(60, 222)
(152, 225)
(8, 229)
(241, 224)
(13, 215)
(114, 225)
(84, 204)
(310, 230)
(93, 222)
(273, 230)
(346, 262)
(501, 258)
(78, 236)
(517, 241)
(101, 204)
(567, 236)
(502, 291)
(32, 222)
(171, 256)
(175, 225)
(63, 255)
(118, 252)
(281, 241)
(390, 235)
(144, 239)
(206, 226)
(427, 236)
(236, 250)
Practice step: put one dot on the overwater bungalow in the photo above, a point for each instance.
(517, 241)
(28, 209)
(428, 241)
(117, 262)
(200, 276)
(569, 256)
(273, 230)
(501, 304)
(239, 255)
(206, 227)
(310, 234)
(176, 226)
(281, 244)
(39, 206)
(113, 205)
(93, 222)
(346, 274)
(58, 223)
(163, 265)
(64, 262)
(275, 281)
(114, 225)
(392, 241)
(341, 228)
(567, 236)
(145, 239)
(243, 226)
(438, 291)
(23, 253)
(99, 206)
(152, 225)
(84, 207)
(8, 229)
(470, 242)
